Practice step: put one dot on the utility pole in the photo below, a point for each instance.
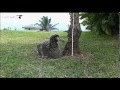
(72, 35)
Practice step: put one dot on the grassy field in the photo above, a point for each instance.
(19, 59)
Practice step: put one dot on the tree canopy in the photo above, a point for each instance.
(101, 23)
(45, 24)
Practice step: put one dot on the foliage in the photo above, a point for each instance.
(45, 24)
(19, 59)
(101, 23)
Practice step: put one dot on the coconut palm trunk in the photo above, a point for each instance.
(76, 35)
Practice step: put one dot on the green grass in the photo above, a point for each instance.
(19, 59)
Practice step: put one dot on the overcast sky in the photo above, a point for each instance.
(11, 20)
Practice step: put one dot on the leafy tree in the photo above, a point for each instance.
(101, 23)
(45, 24)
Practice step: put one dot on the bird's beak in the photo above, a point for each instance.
(58, 38)
(61, 40)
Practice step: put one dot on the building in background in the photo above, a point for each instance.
(32, 27)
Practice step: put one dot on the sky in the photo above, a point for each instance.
(11, 20)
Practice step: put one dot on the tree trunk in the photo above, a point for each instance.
(76, 35)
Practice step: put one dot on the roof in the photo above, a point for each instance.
(32, 26)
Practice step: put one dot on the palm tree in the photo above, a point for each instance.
(45, 24)
(76, 35)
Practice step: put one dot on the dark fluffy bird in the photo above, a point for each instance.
(51, 48)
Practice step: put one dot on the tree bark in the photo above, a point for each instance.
(76, 35)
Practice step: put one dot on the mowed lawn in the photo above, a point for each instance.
(19, 59)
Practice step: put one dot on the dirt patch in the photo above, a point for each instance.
(82, 56)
